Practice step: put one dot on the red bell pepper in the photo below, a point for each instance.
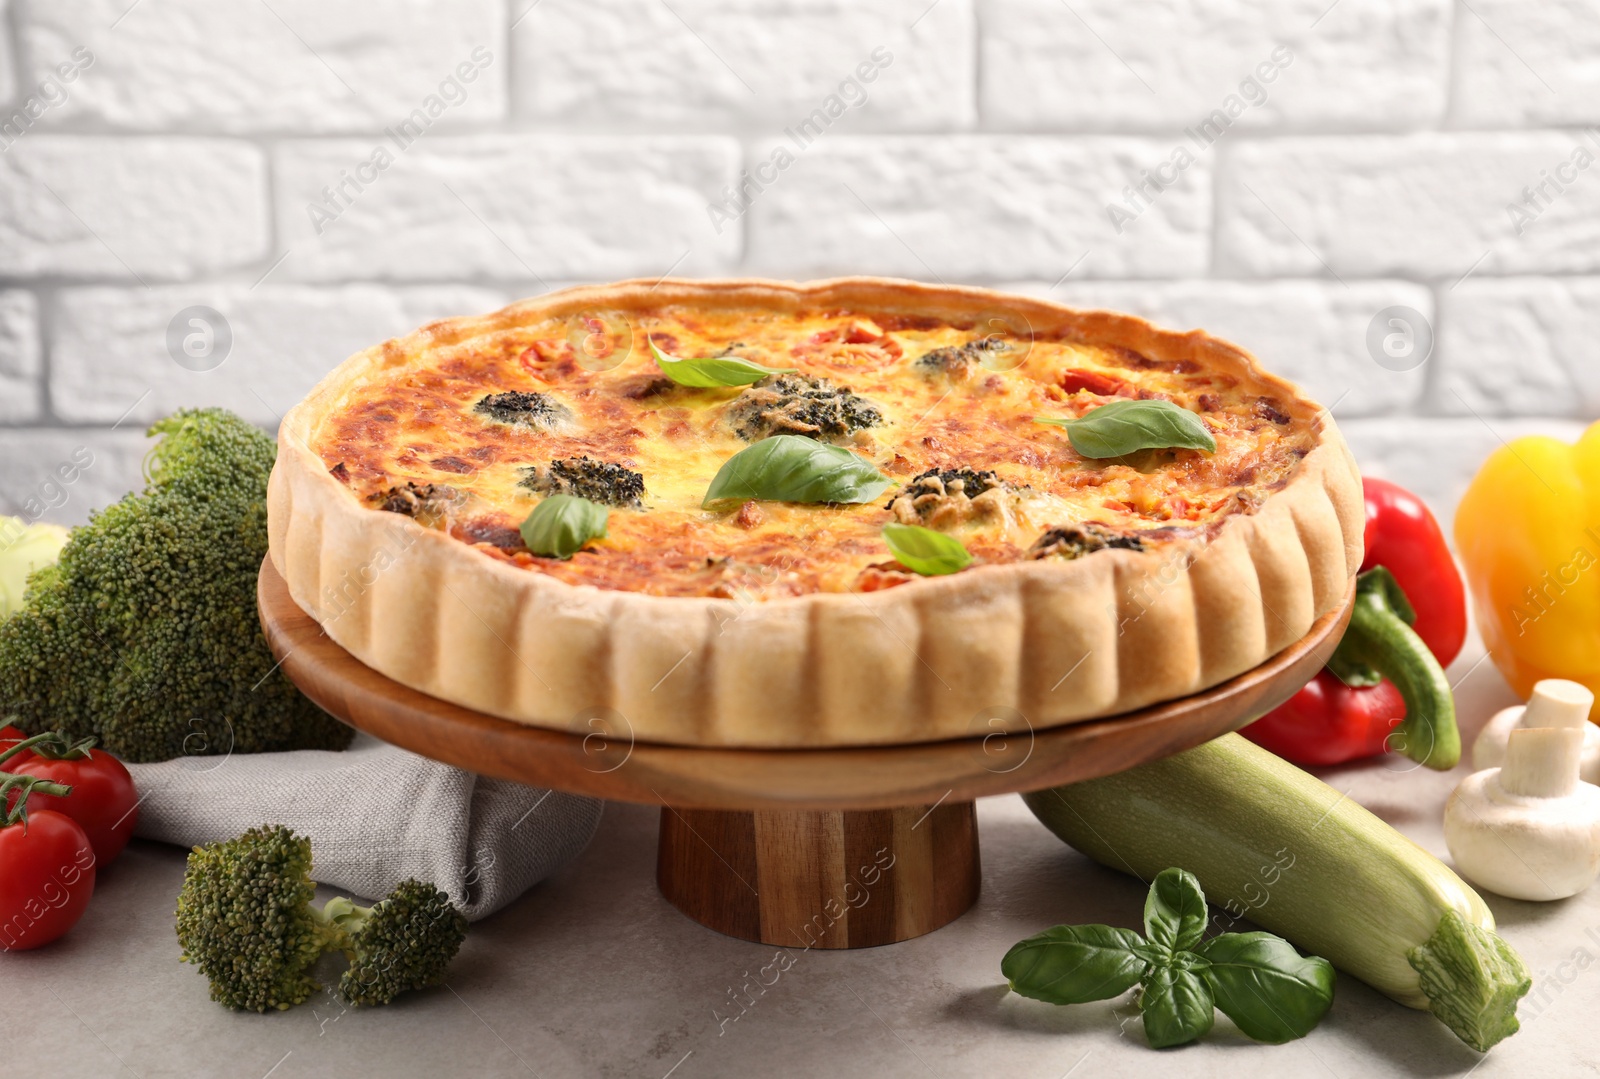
(1385, 688)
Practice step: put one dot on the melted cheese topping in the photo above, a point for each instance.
(421, 427)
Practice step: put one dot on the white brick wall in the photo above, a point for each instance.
(1161, 65)
(1547, 327)
(8, 83)
(19, 357)
(87, 206)
(960, 207)
(1431, 205)
(754, 64)
(1428, 154)
(290, 66)
(504, 207)
(1520, 64)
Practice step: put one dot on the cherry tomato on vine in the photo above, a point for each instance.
(103, 800)
(46, 879)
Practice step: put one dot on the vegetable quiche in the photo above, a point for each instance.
(848, 512)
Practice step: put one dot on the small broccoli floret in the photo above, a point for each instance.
(430, 505)
(245, 919)
(536, 410)
(958, 360)
(947, 497)
(598, 481)
(800, 405)
(404, 943)
(948, 481)
(1075, 541)
(146, 634)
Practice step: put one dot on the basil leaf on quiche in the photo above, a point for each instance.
(925, 550)
(710, 372)
(1125, 427)
(560, 525)
(792, 468)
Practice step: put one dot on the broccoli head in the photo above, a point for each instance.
(536, 410)
(431, 505)
(957, 361)
(598, 481)
(405, 942)
(971, 482)
(247, 919)
(944, 498)
(794, 404)
(145, 634)
(1075, 541)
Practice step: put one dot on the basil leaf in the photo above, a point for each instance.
(791, 468)
(1124, 427)
(1175, 911)
(709, 372)
(1270, 991)
(1074, 964)
(924, 550)
(560, 525)
(1177, 1006)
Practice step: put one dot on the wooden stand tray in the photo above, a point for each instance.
(832, 848)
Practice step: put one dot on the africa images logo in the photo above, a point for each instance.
(51, 92)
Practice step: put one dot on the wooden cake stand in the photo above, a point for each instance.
(829, 848)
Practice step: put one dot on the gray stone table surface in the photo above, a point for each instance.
(594, 974)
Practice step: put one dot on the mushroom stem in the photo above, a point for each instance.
(1557, 702)
(1542, 762)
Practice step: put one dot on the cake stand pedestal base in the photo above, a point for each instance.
(821, 879)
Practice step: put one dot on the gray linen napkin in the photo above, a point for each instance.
(375, 815)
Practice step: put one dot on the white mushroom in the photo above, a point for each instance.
(1555, 703)
(1529, 829)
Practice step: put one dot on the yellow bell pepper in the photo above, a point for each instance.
(1528, 532)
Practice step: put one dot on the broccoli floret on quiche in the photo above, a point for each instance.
(1075, 541)
(958, 360)
(429, 504)
(948, 481)
(598, 481)
(795, 404)
(536, 410)
(946, 497)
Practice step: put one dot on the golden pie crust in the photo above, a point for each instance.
(666, 653)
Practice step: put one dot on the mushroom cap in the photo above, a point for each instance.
(1555, 702)
(1520, 846)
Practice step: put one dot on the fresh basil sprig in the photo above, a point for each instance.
(1269, 990)
(710, 372)
(1125, 427)
(792, 468)
(560, 525)
(926, 551)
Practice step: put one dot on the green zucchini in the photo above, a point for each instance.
(1297, 857)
